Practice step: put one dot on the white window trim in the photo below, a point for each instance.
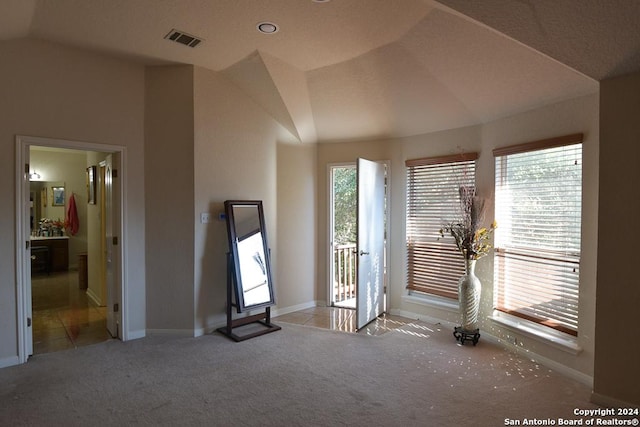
(560, 340)
(432, 301)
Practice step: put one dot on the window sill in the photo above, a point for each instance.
(432, 301)
(540, 333)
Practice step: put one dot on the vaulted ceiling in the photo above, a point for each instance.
(342, 70)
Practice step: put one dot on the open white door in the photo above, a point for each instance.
(371, 228)
(112, 246)
(23, 263)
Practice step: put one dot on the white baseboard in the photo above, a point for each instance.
(217, 322)
(558, 367)
(134, 335)
(610, 402)
(94, 298)
(221, 321)
(429, 319)
(549, 363)
(9, 361)
(172, 332)
(286, 310)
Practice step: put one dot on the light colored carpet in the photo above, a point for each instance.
(300, 376)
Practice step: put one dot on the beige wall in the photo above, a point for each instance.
(296, 232)
(617, 371)
(220, 145)
(239, 154)
(578, 115)
(207, 142)
(57, 92)
(169, 195)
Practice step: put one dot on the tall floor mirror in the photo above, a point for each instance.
(249, 281)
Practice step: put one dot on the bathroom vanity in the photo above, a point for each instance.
(49, 254)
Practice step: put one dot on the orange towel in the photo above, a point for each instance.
(71, 221)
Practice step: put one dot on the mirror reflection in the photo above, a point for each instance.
(249, 248)
(253, 270)
(47, 207)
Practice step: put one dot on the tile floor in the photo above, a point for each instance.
(341, 319)
(63, 316)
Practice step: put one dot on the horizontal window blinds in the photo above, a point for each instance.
(537, 257)
(434, 264)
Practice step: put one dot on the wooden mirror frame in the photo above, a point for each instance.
(238, 258)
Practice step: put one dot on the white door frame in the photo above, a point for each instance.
(330, 266)
(23, 260)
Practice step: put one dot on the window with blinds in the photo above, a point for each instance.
(434, 264)
(538, 206)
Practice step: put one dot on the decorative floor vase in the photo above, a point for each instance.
(469, 288)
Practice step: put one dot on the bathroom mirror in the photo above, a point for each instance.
(47, 202)
(250, 254)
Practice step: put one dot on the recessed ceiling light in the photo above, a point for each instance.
(321, 1)
(267, 27)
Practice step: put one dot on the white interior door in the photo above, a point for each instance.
(112, 246)
(370, 247)
(24, 262)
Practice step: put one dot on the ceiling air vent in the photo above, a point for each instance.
(183, 38)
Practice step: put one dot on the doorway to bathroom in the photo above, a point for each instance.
(70, 276)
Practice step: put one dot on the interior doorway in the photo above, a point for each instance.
(70, 280)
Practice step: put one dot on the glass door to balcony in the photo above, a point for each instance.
(357, 254)
(343, 235)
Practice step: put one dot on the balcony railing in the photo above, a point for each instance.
(344, 267)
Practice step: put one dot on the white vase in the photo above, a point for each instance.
(469, 288)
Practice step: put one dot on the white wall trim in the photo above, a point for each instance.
(137, 334)
(286, 310)
(552, 364)
(560, 368)
(171, 332)
(432, 301)
(430, 319)
(610, 402)
(9, 361)
(218, 321)
(94, 298)
(543, 334)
